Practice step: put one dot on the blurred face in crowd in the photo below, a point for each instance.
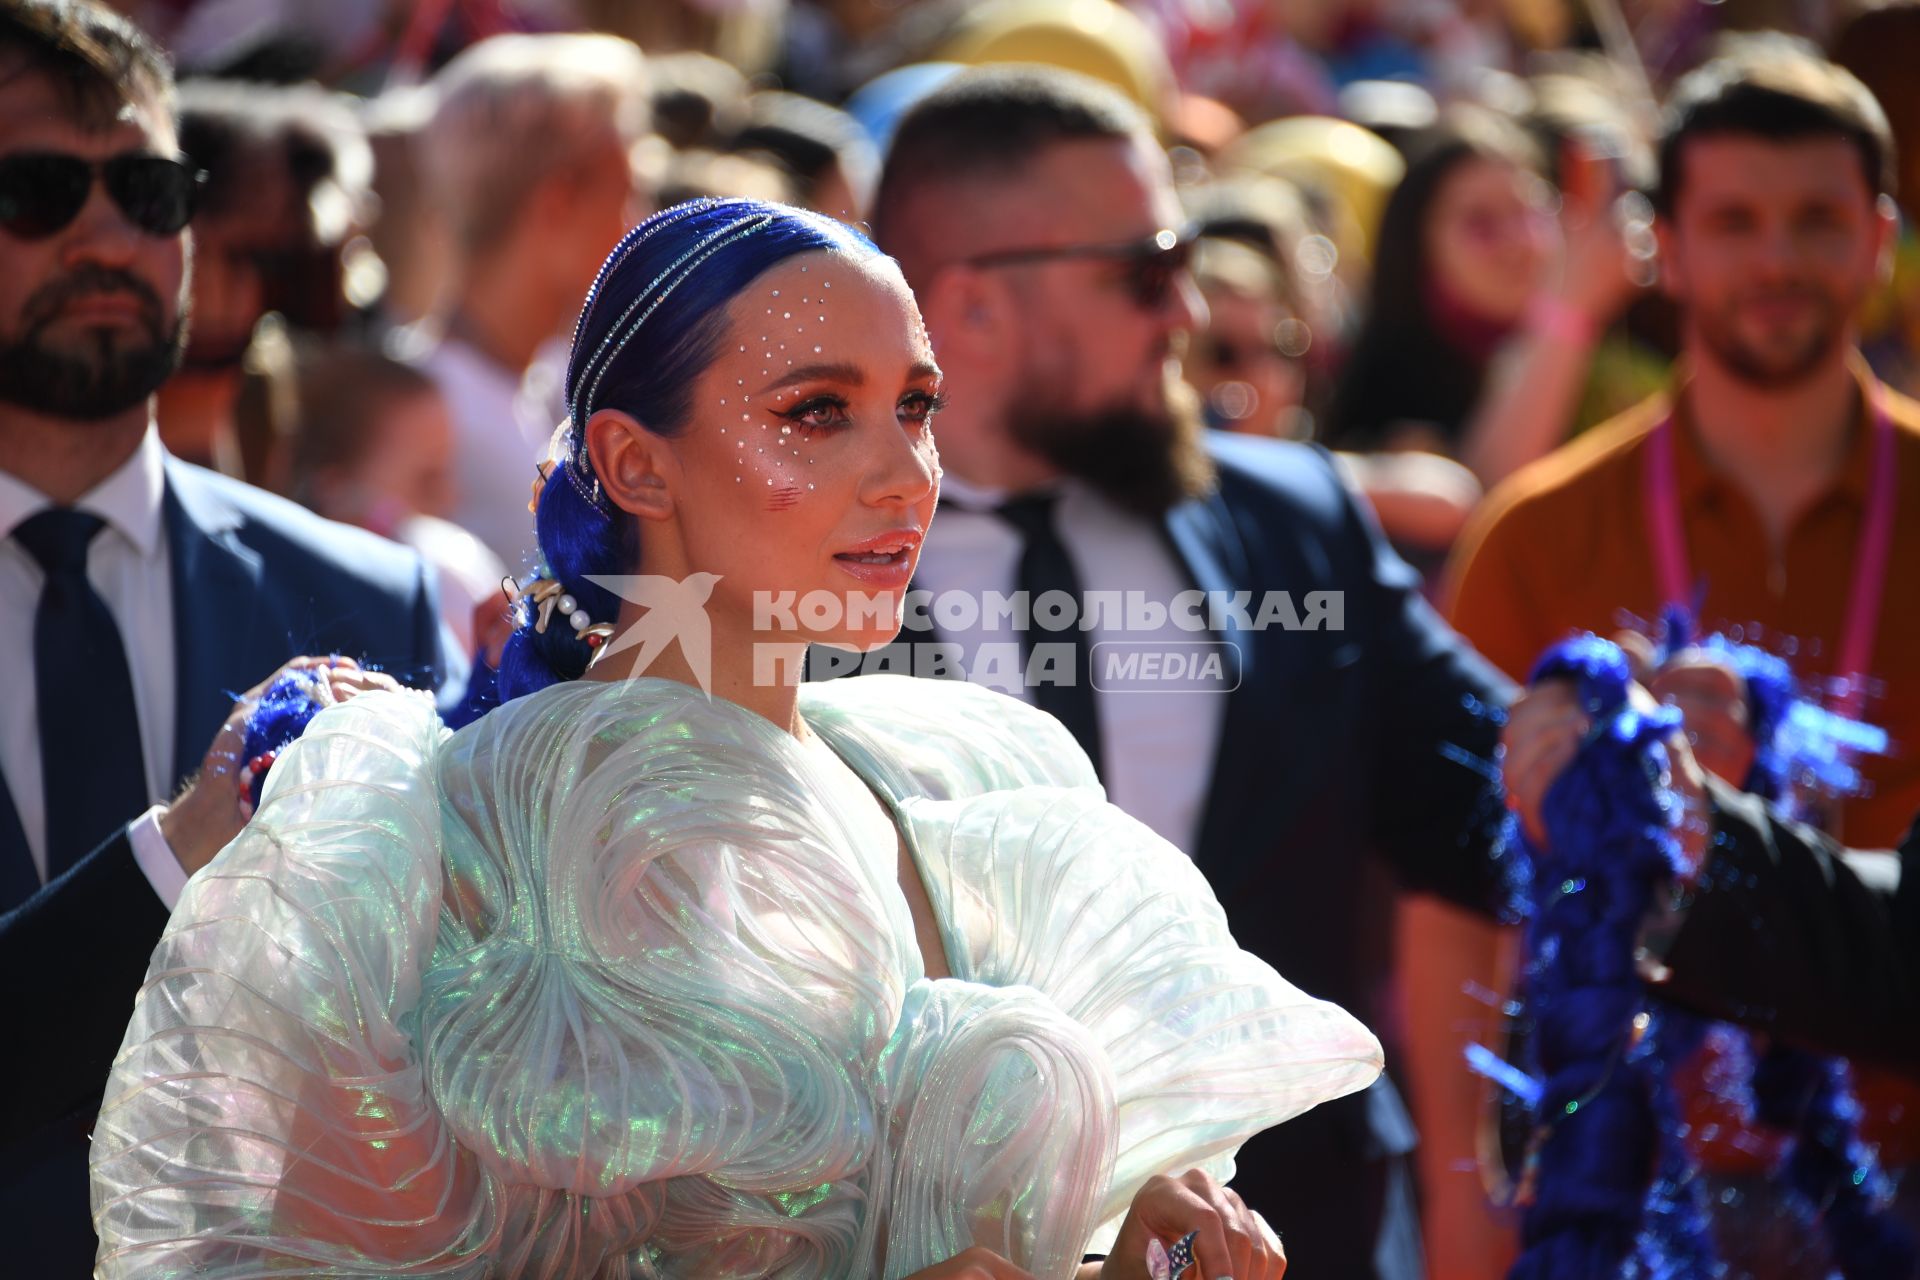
(1489, 237)
(92, 314)
(1771, 247)
(1245, 364)
(593, 203)
(406, 471)
(1099, 392)
(235, 249)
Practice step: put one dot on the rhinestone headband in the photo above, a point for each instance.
(620, 254)
(658, 290)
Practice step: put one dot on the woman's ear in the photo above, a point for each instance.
(635, 466)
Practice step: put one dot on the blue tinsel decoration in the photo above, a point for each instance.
(1828, 1175)
(1612, 823)
(280, 716)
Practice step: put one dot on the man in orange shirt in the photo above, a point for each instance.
(1775, 489)
(1751, 487)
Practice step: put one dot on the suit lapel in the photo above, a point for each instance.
(1208, 544)
(19, 879)
(221, 631)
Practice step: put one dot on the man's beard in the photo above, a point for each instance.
(116, 374)
(1719, 333)
(1143, 460)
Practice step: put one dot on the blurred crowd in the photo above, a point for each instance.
(1423, 230)
(1402, 213)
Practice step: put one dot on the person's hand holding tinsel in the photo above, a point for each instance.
(219, 799)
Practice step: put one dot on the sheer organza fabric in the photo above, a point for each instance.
(620, 982)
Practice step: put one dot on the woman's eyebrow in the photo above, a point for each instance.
(849, 374)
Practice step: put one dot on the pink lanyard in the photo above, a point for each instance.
(1869, 570)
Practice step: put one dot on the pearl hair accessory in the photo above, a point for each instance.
(543, 597)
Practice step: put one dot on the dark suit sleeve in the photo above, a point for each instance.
(1791, 934)
(432, 662)
(74, 954)
(1439, 806)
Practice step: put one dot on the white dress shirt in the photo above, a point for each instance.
(129, 565)
(500, 432)
(1159, 746)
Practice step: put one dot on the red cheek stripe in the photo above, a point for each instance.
(781, 499)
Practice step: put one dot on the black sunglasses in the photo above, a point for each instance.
(42, 191)
(1151, 264)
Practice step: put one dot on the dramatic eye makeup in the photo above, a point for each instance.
(800, 399)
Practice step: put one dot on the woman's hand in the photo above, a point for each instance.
(1233, 1240)
(972, 1264)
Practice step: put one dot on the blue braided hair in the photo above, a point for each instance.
(651, 325)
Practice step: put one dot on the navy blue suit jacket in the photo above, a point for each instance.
(256, 581)
(1348, 760)
(1344, 754)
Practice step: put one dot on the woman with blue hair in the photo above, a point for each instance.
(706, 971)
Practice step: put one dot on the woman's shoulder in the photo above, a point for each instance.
(942, 739)
(618, 707)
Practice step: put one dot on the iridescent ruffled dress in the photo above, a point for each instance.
(620, 982)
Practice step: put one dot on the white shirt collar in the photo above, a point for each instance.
(970, 497)
(129, 499)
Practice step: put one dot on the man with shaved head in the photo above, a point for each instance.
(1320, 713)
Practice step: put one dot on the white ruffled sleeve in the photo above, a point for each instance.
(1043, 888)
(1057, 890)
(267, 1086)
(590, 988)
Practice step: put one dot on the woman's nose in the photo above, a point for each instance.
(905, 469)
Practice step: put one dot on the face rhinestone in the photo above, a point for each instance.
(816, 350)
(786, 431)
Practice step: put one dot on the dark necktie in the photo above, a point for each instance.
(91, 767)
(1045, 566)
